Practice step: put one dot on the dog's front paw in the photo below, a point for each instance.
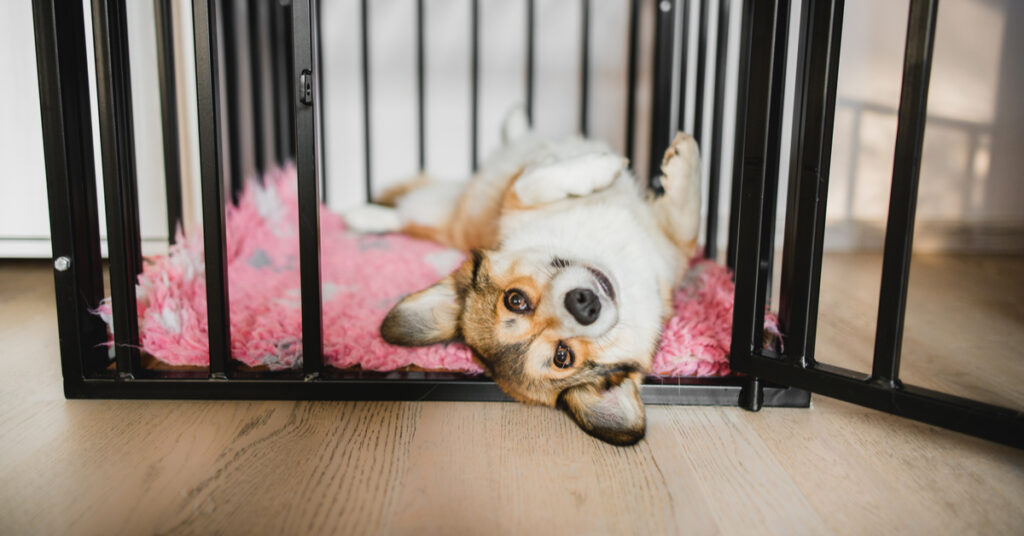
(373, 219)
(571, 177)
(681, 163)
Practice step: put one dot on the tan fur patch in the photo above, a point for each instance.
(390, 196)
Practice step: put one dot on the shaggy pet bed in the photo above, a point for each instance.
(363, 277)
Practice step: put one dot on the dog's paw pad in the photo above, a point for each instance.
(681, 156)
(373, 219)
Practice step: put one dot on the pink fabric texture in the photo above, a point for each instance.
(363, 277)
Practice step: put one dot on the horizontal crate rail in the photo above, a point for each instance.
(988, 421)
(414, 386)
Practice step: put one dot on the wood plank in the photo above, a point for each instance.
(513, 469)
(867, 472)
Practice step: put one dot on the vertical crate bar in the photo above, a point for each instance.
(474, 81)
(815, 99)
(584, 66)
(280, 51)
(321, 131)
(421, 104)
(71, 187)
(715, 152)
(661, 100)
(228, 19)
(367, 153)
(307, 163)
(634, 23)
(899, 229)
(702, 52)
(255, 10)
(773, 156)
(739, 138)
(207, 90)
(529, 58)
(759, 26)
(114, 97)
(287, 82)
(168, 113)
(275, 154)
(684, 59)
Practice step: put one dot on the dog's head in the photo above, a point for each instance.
(548, 330)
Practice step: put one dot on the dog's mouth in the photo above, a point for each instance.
(603, 282)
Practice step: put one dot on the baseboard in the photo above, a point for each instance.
(930, 237)
(39, 248)
(849, 235)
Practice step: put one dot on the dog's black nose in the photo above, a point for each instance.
(583, 305)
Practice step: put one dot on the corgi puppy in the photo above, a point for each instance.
(570, 275)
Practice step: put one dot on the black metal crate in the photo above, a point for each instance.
(766, 378)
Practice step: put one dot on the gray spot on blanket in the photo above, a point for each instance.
(260, 259)
(367, 243)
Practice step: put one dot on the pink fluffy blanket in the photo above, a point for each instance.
(363, 277)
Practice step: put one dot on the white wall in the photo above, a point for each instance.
(971, 190)
(24, 223)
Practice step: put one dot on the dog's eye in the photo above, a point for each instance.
(516, 301)
(564, 357)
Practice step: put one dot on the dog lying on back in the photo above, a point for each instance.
(570, 274)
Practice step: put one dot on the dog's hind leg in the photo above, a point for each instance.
(420, 207)
(678, 210)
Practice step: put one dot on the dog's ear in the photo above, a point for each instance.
(612, 413)
(427, 317)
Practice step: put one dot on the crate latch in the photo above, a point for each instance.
(306, 88)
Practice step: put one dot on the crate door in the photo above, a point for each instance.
(760, 102)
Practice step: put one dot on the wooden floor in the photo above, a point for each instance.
(139, 467)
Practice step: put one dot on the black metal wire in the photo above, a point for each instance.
(814, 108)
(253, 8)
(584, 66)
(529, 58)
(661, 99)
(307, 163)
(474, 105)
(211, 179)
(684, 59)
(163, 19)
(899, 229)
(714, 153)
(321, 131)
(634, 34)
(367, 153)
(117, 145)
(702, 52)
(71, 186)
(235, 133)
(420, 87)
